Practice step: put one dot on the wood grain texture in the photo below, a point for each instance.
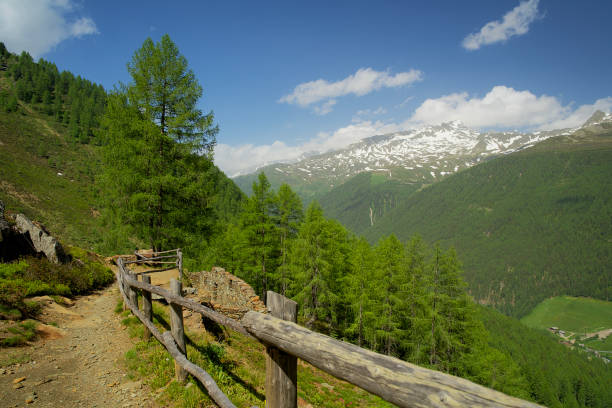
(394, 380)
(178, 330)
(147, 305)
(281, 368)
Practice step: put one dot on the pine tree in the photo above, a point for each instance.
(260, 235)
(389, 255)
(359, 293)
(288, 215)
(157, 149)
(316, 259)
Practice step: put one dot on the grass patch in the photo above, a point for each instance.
(33, 277)
(18, 334)
(578, 315)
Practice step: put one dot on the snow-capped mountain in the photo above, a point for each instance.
(420, 155)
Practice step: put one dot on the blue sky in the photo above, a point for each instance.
(284, 78)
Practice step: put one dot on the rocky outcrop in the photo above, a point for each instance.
(225, 293)
(22, 237)
(41, 240)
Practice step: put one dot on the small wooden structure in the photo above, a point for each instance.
(394, 380)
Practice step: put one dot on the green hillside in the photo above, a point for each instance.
(528, 226)
(570, 313)
(364, 199)
(558, 376)
(51, 152)
(588, 321)
(46, 173)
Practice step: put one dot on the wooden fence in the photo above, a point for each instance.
(394, 380)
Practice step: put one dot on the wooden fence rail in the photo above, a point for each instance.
(394, 380)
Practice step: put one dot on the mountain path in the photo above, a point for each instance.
(78, 364)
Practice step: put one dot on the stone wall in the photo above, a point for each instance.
(225, 293)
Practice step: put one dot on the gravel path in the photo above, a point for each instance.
(78, 365)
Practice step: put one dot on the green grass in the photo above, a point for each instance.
(236, 363)
(578, 315)
(30, 183)
(17, 334)
(33, 277)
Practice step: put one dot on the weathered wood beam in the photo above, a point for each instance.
(178, 330)
(394, 380)
(281, 368)
(147, 305)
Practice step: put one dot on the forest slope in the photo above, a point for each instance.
(528, 226)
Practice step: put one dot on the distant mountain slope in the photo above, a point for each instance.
(422, 155)
(364, 199)
(530, 225)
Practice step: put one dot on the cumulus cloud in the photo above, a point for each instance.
(514, 23)
(248, 157)
(362, 82)
(325, 108)
(580, 115)
(36, 26)
(500, 108)
(504, 107)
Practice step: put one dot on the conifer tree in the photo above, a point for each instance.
(288, 214)
(260, 235)
(389, 265)
(157, 150)
(317, 256)
(359, 293)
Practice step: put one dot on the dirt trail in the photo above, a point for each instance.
(78, 365)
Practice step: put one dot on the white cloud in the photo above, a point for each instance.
(580, 115)
(515, 22)
(501, 108)
(325, 108)
(83, 26)
(247, 157)
(504, 107)
(36, 26)
(366, 113)
(362, 82)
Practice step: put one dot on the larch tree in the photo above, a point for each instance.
(316, 258)
(158, 150)
(288, 215)
(260, 235)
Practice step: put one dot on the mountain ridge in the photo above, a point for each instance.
(422, 155)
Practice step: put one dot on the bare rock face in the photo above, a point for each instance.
(41, 240)
(225, 293)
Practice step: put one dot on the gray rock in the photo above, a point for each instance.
(41, 240)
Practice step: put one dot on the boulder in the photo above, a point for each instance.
(41, 240)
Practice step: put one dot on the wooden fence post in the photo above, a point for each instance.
(180, 263)
(147, 306)
(178, 331)
(281, 368)
(132, 294)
